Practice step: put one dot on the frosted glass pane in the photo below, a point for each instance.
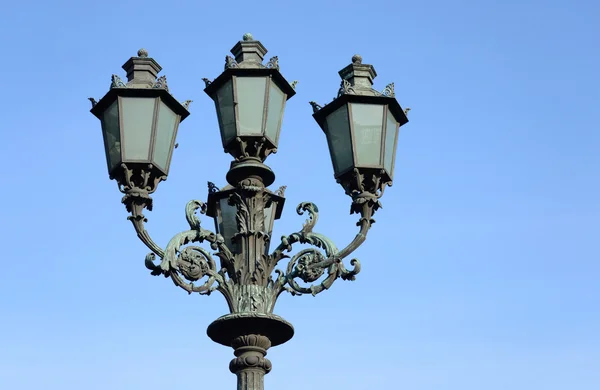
(275, 113)
(368, 127)
(269, 214)
(227, 222)
(338, 138)
(165, 131)
(224, 103)
(251, 102)
(112, 142)
(138, 114)
(391, 132)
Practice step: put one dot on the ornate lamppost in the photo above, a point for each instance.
(139, 124)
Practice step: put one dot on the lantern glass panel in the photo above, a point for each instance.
(227, 222)
(275, 112)
(367, 120)
(225, 108)
(269, 220)
(112, 138)
(251, 104)
(165, 132)
(391, 133)
(339, 140)
(138, 116)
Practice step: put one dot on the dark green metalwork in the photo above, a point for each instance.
(241, 266)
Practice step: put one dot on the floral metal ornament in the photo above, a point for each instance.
(116, 82)
(161, 82)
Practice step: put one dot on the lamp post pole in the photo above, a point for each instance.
(140, 118)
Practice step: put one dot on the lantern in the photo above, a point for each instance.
(361, 124)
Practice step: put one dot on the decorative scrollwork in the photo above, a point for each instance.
(149, 262)
(230, 62)
(273, 63)
(389, 90)
(190, 213)
(195, 262)
(161, 83)
(305, 267)
(207, 82)
(294, 83)
(349, 275)
(142, 178)
(310, 265)
(116, 82)
(93, 101)
(313, 215)
(346, 88)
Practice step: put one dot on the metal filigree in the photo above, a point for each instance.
(364, 183)
(230, 62)
(116, 82)
(186, 104)
(193, 263)
(346, 88)
(143, 178)
(161, 83)
(389, 90)
(207, 82)
(294, 83)
(93, 101)
(250, 147)
(306, 267)
(273, 63)
(310, 264)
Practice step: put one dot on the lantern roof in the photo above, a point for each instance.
(248, 61)
(142, 81)
(357, 87)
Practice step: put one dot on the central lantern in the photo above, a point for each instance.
(250, 100)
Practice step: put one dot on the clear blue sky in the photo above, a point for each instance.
(482, 271)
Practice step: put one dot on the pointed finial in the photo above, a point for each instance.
(248, 37)
(142, 53)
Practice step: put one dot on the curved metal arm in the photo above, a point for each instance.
(138, 222)
(366, 206)
(193, 263)
(310, 264)
(136, 200)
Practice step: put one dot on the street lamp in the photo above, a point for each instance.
(139, 124)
